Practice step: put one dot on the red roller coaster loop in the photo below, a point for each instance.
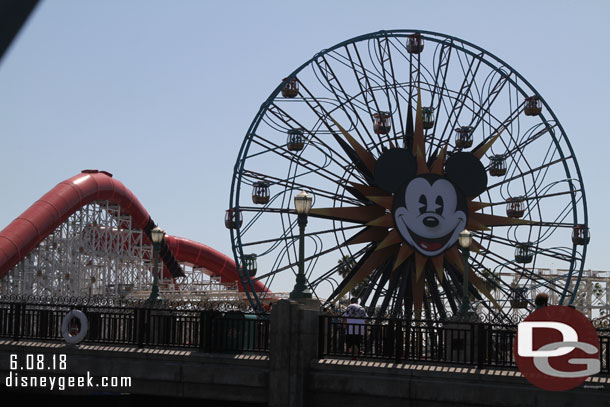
(56, 206)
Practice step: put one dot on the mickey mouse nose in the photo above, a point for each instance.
(430, 221)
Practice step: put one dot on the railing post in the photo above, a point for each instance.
(481, 344)
(472, 341)
(43, 324)
(407, 339)
(388, 339)
(322, 336)
(398, 340)
(203, 331)
(18, 309)
(209, 331)
(141, 326)
(84, 311)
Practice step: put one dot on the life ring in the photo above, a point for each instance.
(72, 337)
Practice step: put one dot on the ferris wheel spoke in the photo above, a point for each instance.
(390, 292)
(534, 198)
(376, 281)
(303, 162)
(518, 159)
(336, 269)
(440, 80)
(460, 99)
(344, 60)
(457, 277)
(280, 113)
(258, 209)
(520, 175)
(438, 142)
(566, 256)
(541, 177)
(517, 272)
(386, 57)
(395, 86)
(498, 125)
(514, 148)
(294, 264)
(449, 292)
(364, 267)
(560, 218)
(378, 291)
(434, 293)
(361, 70)
(290, 184)
(367, 90)
(538, 249)
(368, 75)
(485, 109)
(329, 76)
(323, 115)
(497, 281)
(292, 238)
(510, 149)
(356, 161)
(485, 106)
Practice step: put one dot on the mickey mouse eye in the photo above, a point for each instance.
(440, 205)
(424, 202)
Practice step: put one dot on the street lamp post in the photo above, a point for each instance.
(465, 241)
(157, 235)
(302, 203)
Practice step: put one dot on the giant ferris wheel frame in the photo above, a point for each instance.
(500, 73)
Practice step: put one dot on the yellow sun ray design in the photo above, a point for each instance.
(437, 165)
(403, 254)
(392, 238)
(374, 260)
(386, 202)
(369, 234)
(437, 263)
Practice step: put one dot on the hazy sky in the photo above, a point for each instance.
(161, 93)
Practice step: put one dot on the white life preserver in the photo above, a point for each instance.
(84, 326)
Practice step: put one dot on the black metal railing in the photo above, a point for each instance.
(604, 350)
(469, 343)
(207, 330)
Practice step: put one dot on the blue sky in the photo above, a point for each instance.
(161, 93)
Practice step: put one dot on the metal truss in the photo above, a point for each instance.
(97, 252)
(592, 298)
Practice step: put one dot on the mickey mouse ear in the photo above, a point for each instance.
(467, 172)
(393, 168)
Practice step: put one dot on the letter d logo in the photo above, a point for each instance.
(526, 338)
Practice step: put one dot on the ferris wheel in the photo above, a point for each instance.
(404, 139)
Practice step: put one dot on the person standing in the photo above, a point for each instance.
(354, 316)
(542, 300)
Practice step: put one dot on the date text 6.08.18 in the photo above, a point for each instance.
(40, 361)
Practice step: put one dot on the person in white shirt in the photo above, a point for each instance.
(354, 316)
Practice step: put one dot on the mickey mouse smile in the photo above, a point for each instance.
(428, 243)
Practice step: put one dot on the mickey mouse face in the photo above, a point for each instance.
(430, 210)
(429, 218)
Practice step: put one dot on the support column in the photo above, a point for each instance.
(294, 344)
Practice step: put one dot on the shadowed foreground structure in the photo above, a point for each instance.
(291, 373)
